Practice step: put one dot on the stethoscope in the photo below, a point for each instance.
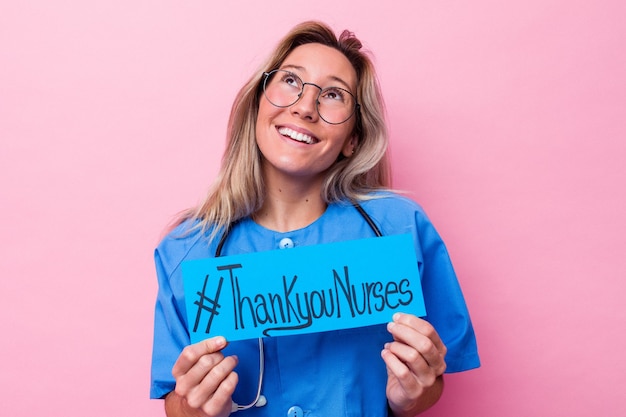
(260, 400)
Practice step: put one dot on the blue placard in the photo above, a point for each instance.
(302, 290)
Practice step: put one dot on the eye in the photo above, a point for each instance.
(291, 79)
(335, 94)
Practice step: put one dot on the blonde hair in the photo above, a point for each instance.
(238, 190)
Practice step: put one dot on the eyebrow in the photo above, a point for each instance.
(332, 77)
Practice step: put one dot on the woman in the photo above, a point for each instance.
(306, 151)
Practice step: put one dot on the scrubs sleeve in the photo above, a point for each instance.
(445, 305)
(170, 329)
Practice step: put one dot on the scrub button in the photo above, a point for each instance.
(295, 411)
(285, 243)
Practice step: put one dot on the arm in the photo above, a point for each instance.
(205, 381)
(415, 365)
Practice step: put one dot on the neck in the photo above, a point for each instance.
(290, 204)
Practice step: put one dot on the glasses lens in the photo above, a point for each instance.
(282, 88)
(335, 105)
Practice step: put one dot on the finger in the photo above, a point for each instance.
(218, 379)
(420, 340)
(198, 372)
(414, 361)
(421, 326)
(398, 369)
(222, 397)
(190, 354)
(416, 350)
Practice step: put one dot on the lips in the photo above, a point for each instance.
(297, 136)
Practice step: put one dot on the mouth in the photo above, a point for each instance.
(297, 136)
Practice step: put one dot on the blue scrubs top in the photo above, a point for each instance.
(336, 373)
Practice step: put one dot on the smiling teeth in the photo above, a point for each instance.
(300, 137)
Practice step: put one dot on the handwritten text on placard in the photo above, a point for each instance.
(302, 290)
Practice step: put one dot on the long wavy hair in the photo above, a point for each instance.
(239, 191)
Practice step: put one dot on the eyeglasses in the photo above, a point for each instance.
(283, 88)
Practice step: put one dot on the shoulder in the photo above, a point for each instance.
(186, 241)
(390, 200)
(389, 204)
(395, 213)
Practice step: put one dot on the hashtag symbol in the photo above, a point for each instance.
(211, 306)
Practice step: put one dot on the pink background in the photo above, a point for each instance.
(508, 125)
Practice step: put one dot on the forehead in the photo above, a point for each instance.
(321, 64)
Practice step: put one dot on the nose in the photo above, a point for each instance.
(306, 106)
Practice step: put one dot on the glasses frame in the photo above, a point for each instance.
(267, 75)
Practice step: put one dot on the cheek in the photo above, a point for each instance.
(345, 136)
(266, 110)
(262, 119)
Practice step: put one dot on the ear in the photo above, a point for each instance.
(349, 147)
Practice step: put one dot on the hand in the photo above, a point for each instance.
(415, 362)
(205, 378)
